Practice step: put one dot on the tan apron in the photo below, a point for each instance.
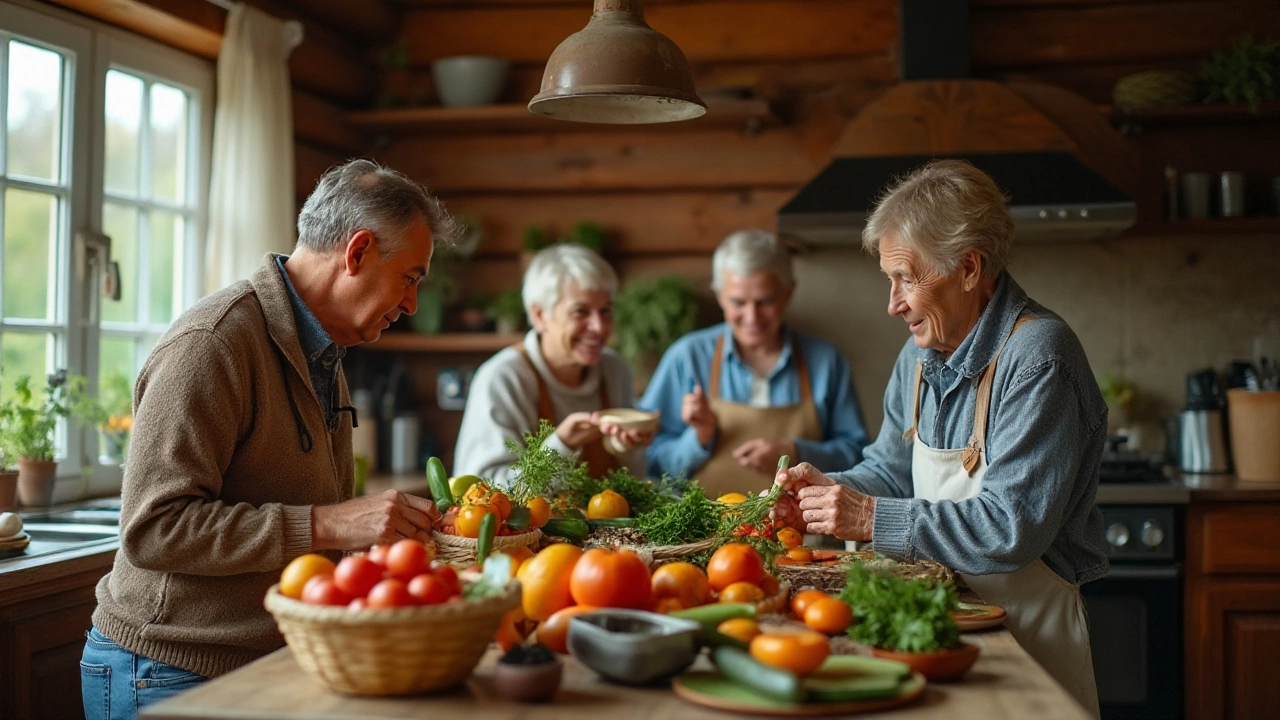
(599, 461)
(1046, 613)
(737, 423)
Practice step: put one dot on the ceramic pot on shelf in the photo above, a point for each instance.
(35, 482)
(8, 489)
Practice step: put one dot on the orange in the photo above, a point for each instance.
(545, 578)
(734, 562)
(539, 512)
(554, 633)
(741, 628)
(790, 537)
(683, 581)
(801, 601)
(828, 615)
(300, 570)
(741, 592)
(731, 498)
(800, 554)
(509, 635)
(468, 521)
(607, 504)
(801, 652)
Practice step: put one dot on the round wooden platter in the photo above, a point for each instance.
(713, 690)
(976, 616)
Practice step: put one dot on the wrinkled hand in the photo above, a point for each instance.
(374, 519)
(696, 413)
(838, 511)
(787, 510)
(578, 429)
(631, 439)
(761, 454)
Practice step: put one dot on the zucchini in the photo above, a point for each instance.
(438, 482)
(854, 688)
(571, 530)
(738, 665)
(519, 518)
(863, 665)
(712, 615)
(484, 543)
(625, 522)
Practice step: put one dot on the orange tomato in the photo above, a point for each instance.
(545, 580)
(800, 554)
(682, 581)
(734, 562)
(605, 578)
(828, 615)
(500, 505)
(539, 512)
(790, 537)
(607, 504)
(509, 635)
(468, 521)
(519, 556)
(554, 633)
(408, 559)
(801, 652)
(741, 592)
(803, 599)
(731, 498)
(300, 570)
(741, 628)
(668, 605)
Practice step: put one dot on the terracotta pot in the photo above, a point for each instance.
(35, 482)
(8, 488)
(941, 665)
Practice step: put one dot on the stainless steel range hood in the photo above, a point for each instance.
(1062, 165)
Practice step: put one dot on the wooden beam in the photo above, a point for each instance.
(148, 21)
(374, 20)
(321, 123)
(708, 31)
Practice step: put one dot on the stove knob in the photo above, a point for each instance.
(1152, 534)
(1118, 535)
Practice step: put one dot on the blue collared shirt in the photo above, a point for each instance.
(1046, 430)
(676, 451)
(322, 353)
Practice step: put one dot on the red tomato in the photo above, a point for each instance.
(605, 578)
(378, 554)
(322, 590)
(390, 593)
(357, 605)
(356, 575)
(445, 572)
(427, 589)
(407, 559)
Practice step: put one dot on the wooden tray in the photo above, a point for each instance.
(975, 616)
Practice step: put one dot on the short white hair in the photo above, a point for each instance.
(552, 267)
(747, 252)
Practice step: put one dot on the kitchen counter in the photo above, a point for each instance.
(1188, 488)
(1005, 683)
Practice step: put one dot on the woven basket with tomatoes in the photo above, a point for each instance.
(461, 527)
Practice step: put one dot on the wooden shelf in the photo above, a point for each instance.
(749, 114)
(1260, 225)
(1215, 114)
(443, 342)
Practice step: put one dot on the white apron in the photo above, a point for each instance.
(1046, 613)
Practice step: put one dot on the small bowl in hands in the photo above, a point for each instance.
(528, 674)
(936, 666)
(633, 647)
(629, 419)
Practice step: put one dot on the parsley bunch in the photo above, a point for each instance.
(691, 518)
(899, 614)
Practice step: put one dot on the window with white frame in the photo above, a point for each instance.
(102, 133)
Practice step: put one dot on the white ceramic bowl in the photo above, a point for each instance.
(469, 80)
(628, 419)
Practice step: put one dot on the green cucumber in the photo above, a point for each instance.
(571, 530)
(856, 688)
(863, 665)
(519, 518)
(438, 482)
(712, 615)
(737, 665)
(484, 543)
(625, 522)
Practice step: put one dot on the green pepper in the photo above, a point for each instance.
(484, 544)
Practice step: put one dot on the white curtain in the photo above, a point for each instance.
(252, 207)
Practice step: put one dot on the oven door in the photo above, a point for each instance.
(1135, 630)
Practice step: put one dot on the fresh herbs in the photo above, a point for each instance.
(691, 518)
(899, 614)
(751, 512)
(538, 469)
(641, 495)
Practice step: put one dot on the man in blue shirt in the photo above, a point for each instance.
(737, 396)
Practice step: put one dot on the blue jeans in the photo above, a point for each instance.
(115, 682)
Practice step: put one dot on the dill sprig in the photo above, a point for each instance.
(691, 518)
(539, 469)
(753, 511)
(641, 495)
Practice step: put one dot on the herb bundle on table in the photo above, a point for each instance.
(894, 613)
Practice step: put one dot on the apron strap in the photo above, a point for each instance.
(986, 379)
(713, 385)
(910, 434)
(802, 372)
(544, 397)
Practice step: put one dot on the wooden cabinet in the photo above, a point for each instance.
(42, 628)
(1233, 611)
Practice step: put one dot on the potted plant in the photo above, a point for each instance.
(532, 239)
(650, 315)
(589, 235)
(1244, 73)
(27, 432)
(474, 315)
(909, 621)
(437, 291)
(8, 478)
(507, 311)
(111, 413)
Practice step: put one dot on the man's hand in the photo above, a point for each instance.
(838, 511)
(374, 519)
(696, 413)
(787, 510)
(578, 429)
(762, 454)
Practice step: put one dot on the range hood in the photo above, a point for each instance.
(1062, 165)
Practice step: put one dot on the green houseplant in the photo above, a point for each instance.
(1248, 72)
(507, 311)
(649, 315)
(112, 414)
(27, 431)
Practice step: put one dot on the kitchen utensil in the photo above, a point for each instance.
(1201, 437)
(1195, 195)
(469, 80)
(1231, 194)
(628, 419)
(1255, 434)
(633, 646)
(404, 444)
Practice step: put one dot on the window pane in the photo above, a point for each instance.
(30, 240)
(168, 143)
(124, 132)
(166, 232)
(25, 354)
(35, 112)
(121, 223)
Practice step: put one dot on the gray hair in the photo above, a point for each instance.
(942, 211)
(363, 195)
(746, 252)
(553, 266)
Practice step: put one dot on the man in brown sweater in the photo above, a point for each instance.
(241, 455)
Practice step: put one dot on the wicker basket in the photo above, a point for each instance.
(832, 578)
(398, 651)
(458, 550)
(778, 602)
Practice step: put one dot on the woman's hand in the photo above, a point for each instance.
(578, 429)
(695, 411)
(630, 439)
(374, 519)
(761, 454)
(838, 511)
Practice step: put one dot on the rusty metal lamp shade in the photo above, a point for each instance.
(618, 70)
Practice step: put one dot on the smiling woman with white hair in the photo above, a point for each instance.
(561, 372)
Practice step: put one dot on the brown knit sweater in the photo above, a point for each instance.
(218, 488)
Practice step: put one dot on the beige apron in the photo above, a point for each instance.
(599, 460)
(1046, 613)
(737, 423)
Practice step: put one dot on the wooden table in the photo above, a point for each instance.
(1005, 683)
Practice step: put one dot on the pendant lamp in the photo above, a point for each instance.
(618, 70)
